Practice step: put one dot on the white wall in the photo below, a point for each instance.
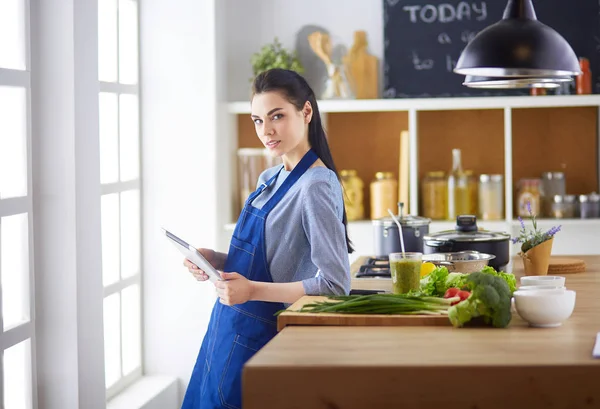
(179, 93)
(257, 22)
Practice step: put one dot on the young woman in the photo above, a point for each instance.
(290, 240)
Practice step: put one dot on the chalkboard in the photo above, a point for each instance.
(424, 39)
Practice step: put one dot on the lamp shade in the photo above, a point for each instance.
(516, 46)
(515, 82)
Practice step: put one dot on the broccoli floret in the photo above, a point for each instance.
(434, 283)
(489, 299)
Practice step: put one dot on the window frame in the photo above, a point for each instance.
(20, 205)
(117, 88)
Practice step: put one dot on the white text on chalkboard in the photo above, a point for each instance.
(446, 12)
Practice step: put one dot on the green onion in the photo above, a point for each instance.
(380, 304)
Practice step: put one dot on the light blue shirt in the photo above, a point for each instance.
(305, 236)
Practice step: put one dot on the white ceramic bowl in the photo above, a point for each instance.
(539, 287)
(554, 281)
(545, 308)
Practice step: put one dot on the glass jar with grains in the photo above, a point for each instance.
(353, 194)
(434, 191)
(384, 194)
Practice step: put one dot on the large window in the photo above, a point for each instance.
(16, 275)
(120, 201)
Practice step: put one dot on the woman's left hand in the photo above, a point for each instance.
(234, 289)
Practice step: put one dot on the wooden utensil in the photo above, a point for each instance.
(380, 320)
(362, 67)
(403, 171)
(563, 265)
(321, 45)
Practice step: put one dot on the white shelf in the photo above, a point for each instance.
(433, 104)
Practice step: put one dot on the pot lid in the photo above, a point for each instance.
(408, 220)
(469, 236)
(466, 230)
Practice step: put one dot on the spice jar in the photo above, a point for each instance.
(384, 194)
(564, 207)
(434, 192)
(589, 206)
(491, 197)
(353, 194)
(529, 191)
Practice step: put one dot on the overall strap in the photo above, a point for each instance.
(305, 163)
(262, 187)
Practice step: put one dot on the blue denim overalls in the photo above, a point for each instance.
(235, 333)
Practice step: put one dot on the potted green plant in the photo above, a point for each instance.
(275, 56)
(536, 245)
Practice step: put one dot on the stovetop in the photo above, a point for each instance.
(374, 267)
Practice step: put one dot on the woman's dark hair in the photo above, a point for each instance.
(297, 91)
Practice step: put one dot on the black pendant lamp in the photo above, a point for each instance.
(518, 46)
(515, 82)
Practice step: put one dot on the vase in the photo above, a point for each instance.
(537, 259)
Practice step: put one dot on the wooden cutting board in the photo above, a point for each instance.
(380, 320)
(363, 68)
(563, 265)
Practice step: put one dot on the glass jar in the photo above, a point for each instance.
(564, 207)
(472, 189)
(251, 163)
(434, 191)
(553, 183)
(589, 206)
(353, 194)
(491, 197)
(529, 191)
(384, 194)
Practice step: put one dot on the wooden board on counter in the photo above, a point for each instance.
(380, 320)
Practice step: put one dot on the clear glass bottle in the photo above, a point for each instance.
(459, 199)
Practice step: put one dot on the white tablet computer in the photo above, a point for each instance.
(193, 255)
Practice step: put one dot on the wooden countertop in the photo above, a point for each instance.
(432, 367)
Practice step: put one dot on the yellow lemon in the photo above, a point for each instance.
(427, 268)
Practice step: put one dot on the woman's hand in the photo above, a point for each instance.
(198, 273)
(235, 289)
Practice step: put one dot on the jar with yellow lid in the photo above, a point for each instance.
(434, 191)
(384, 194)
(353, 194)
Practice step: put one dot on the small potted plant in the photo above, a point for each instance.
(275, 56)
(536, 246)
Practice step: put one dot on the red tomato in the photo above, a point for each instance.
(463, 295)
(451, 292)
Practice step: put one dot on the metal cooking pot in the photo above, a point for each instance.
(387, 238)
(466, 236)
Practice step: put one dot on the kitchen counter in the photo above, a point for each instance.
(435, 367)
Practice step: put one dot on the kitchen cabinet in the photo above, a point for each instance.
(435, 366)
(514, 136)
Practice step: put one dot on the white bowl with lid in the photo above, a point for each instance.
(545, 308)
(554, 281)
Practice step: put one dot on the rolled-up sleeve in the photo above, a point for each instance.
(326, 234)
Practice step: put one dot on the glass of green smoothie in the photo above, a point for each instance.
(406, 271)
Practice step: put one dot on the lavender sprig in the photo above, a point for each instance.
(534, 237)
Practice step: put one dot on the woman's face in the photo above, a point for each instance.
(280, 126)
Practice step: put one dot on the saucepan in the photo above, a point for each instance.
(460, 261)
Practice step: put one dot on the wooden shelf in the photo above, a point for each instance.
(368, 143)
(557, 139)
(436, 104)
